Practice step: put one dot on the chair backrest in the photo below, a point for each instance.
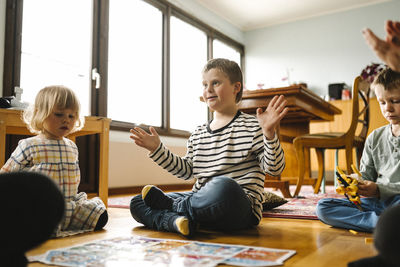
(359, 116)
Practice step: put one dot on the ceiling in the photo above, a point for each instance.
(253, 14)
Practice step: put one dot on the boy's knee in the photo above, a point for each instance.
(323, 202)
(136, 203)
(224, 185)
(219, 190)
(222, 197)
(326, 209)
(323, 206)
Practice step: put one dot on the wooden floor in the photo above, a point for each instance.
(316, 243)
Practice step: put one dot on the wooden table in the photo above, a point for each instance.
(304, 106)
(11, 123)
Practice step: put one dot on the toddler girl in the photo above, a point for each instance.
(54, 115)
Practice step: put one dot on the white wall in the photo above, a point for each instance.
(130, 164)
(318, 51)
(210, 18)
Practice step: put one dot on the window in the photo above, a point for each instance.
(222, 50)
(148, 54)
(56, 49)
(188, 56)
(135, 63)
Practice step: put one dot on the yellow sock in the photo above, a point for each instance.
(182, 224)
(145, 190)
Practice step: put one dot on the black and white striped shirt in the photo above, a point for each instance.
(238, 150)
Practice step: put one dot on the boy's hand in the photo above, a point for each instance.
(270, 118)
(145, 140)
(368, 189)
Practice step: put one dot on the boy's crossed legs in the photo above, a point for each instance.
(343, 214)
(221, 204)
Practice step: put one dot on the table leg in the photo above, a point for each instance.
(103, 165)
(278, 184)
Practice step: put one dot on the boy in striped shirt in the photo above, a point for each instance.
(228, 157)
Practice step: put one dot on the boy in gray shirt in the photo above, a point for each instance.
(380, 166)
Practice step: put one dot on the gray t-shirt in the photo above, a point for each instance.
(380, 161)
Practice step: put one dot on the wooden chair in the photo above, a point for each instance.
(336, 140)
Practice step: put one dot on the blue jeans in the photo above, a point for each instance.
(343, 214)
(220, 205)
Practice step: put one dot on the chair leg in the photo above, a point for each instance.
(307, 163)
(301, 165)
(349, 157)
(321, 171)
(334, 170)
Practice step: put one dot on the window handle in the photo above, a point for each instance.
(96, 77)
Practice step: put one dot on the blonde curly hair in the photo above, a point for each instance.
(49, 98)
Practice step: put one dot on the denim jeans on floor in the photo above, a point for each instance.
(221, 205)
(343, 214)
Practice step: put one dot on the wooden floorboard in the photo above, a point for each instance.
(316, 243)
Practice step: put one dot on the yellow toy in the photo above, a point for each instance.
(356, 171)
(348, 186)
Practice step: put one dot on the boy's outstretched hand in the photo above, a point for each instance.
(387, 50)
(143, 139)
(270, 118)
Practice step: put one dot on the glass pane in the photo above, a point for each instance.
(56, 47)
(188, 57)
(221, 50)
(135, 62)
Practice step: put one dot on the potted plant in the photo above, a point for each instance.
(368, 75)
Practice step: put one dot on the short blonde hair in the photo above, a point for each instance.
(49, 98)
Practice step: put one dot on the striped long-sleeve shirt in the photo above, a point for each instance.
(239, 150)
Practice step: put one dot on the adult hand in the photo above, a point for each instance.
(387, 50)
(270, 118)
(143, 139)
(393, 32)
(368, 189)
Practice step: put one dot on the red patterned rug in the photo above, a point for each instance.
(296, 208)
(119, 202)
(302, 207)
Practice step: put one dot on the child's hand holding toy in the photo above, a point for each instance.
(365, 187)
(349, 185)
(368, 189)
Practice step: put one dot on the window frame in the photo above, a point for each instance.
(98, 105)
